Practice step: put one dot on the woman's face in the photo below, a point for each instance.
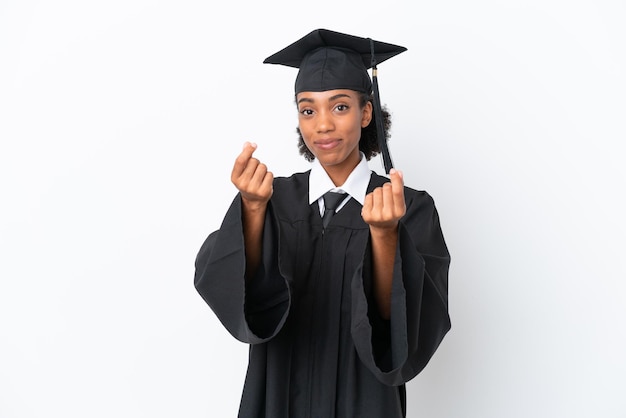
(330, 123)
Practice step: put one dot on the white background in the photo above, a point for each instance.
(119, 122)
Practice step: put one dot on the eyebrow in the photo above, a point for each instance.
(330, 99)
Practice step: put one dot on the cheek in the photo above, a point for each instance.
(356, 128)
(305, 129)
(304, 136)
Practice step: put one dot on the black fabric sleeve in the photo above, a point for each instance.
(252, 310)
(419, 302)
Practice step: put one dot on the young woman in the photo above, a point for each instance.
(340, 309)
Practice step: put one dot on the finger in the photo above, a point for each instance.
(242, 159)
(377, 195)
(388, 201)
(267, 184)
(256, 174)
(397, 187)
(253, 167)
(377, 202)
(397, 181)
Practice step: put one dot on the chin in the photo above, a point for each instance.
(330, 159)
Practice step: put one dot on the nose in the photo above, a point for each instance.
(325, 122)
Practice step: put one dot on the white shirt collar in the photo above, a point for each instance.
(355, 185)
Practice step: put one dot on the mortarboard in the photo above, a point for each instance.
(329, 60)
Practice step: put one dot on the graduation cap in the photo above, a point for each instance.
(329, 60)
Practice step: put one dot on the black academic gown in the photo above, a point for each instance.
(318, 347)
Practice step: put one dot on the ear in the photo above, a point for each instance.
(367, 114)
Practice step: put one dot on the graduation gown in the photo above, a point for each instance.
(318, 347)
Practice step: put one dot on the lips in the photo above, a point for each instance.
(326, 144)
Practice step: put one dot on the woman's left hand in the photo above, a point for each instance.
(385, 205)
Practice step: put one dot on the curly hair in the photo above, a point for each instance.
(368, 144)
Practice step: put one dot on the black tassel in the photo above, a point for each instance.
(378, 115)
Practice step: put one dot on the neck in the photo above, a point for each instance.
(339, 173)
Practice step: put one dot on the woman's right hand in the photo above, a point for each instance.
(251, 178)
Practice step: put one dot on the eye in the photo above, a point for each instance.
(306, 111)
(342, 107)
